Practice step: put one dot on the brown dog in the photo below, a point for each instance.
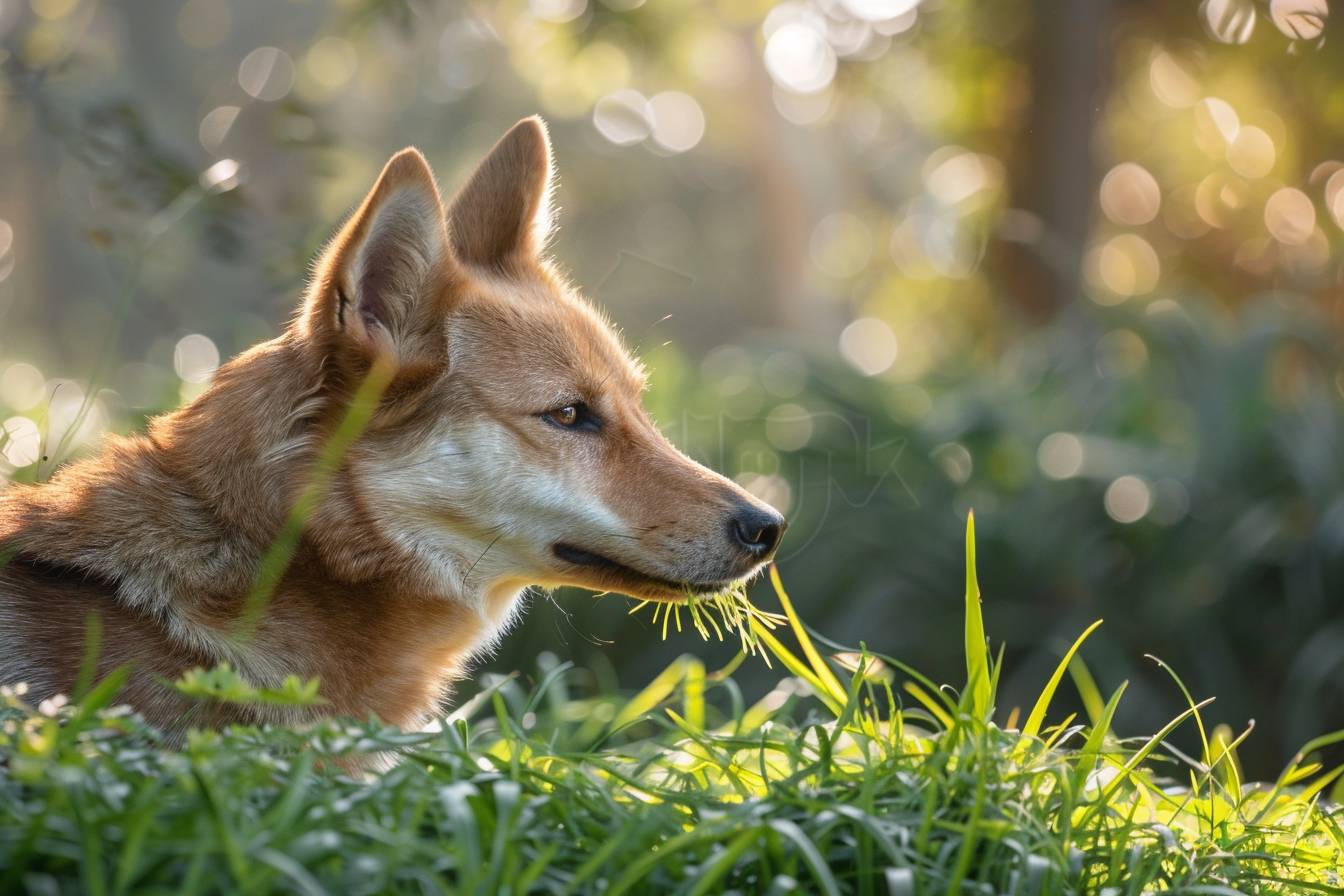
(508, 448)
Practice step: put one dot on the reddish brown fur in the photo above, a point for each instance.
(414, 558)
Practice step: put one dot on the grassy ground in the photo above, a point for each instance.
(854, 775)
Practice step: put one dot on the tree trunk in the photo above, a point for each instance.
(1054, 177)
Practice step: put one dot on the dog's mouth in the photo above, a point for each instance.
(614, 576)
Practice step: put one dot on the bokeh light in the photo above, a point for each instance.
(1299, 19)
(222, 176)
(678, 121)
(1216, 125)
(1251, 152)
(1334, 197)
(841, 244)
(624, 117)
(21, 386)
(1130, 194)
(879, 10)
(1171, 81)
(53, 10)
(204, 23)
(558, 11)
(1123, 266)
(1121, 353)
(771, 488)
(266, 74)
(21, 440)
(1229, 21)
(869, 344)
(1290, 216)
(1128, 499)
(788, 427)
(215, 126)
(1060, 455)
(329, 65)
(195, 358)
(955, 460)
(799, 58)
(953, 175)
(6, 249)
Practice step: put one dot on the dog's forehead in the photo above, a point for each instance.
(546, 325)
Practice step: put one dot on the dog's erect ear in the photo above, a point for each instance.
(501, 218)
(385, 262)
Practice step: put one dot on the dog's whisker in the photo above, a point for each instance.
(467, 576)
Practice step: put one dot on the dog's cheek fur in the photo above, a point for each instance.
(479, 505)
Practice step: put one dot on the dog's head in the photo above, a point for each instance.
(512, 446)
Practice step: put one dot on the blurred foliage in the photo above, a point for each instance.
(888, 259)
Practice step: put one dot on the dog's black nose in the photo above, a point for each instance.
(757, 530)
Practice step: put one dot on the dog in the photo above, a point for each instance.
(500, 443)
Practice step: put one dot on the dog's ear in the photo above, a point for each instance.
(502, 217)
(385, 263)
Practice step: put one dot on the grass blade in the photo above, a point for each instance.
(1037, 716)
(977, 649)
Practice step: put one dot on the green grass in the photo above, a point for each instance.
(854, 775)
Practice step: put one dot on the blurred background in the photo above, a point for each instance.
(1076, 265)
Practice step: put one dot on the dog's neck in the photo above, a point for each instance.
(181, 521)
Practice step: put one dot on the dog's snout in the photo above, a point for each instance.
(756, 530)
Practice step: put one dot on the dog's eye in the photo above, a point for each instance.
(572, 416)
(567, 415)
